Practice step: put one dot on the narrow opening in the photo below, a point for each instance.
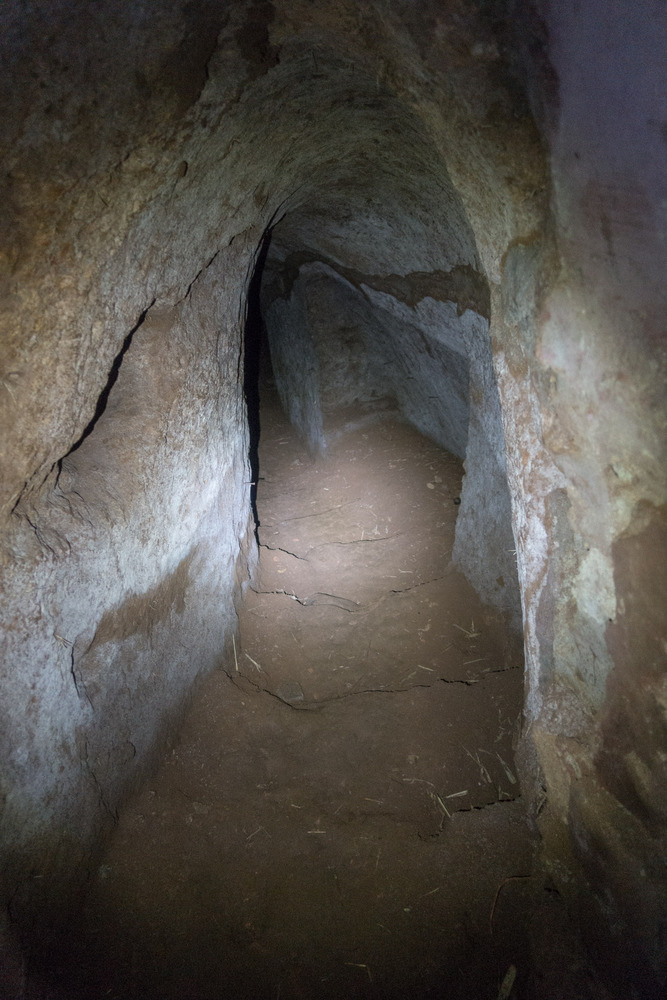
(254, 352)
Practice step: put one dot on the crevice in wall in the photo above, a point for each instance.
(112, 378)
(254, 337)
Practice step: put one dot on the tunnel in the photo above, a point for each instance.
(333, 570)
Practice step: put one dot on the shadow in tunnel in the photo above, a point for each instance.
(254, 348)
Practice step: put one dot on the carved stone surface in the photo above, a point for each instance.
(464, 219)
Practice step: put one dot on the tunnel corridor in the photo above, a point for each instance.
(370, 698)
(336, 669)
(341, 805)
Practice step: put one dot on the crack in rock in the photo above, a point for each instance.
(85, 761)
(488, 805)
(322, 545)
(359, 541)
(344, 603)
(328, 600)
(278, 548)
(467, 809)
(312, 706)
(502, 670)
(112, 378)
(318, 513)
(424, 583)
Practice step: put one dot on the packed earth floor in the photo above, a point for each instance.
(341, 816)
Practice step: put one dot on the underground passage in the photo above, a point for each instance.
(333, 564)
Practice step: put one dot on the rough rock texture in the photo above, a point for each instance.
(472, 191)
(121, 577)
(595, 498)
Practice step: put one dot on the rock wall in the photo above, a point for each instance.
(120, 582)
(596, 350)
(391, 310)
(478, 190)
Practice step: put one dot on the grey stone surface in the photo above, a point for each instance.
(412, 197)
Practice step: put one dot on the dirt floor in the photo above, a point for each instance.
(340, 817)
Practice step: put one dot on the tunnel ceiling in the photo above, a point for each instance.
(374, 193)
(199, 143)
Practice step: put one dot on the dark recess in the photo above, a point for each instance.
(254, 342)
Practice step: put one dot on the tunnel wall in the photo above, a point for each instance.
(122, 584)
(136, 151)
(598, 703)
(125, 487)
